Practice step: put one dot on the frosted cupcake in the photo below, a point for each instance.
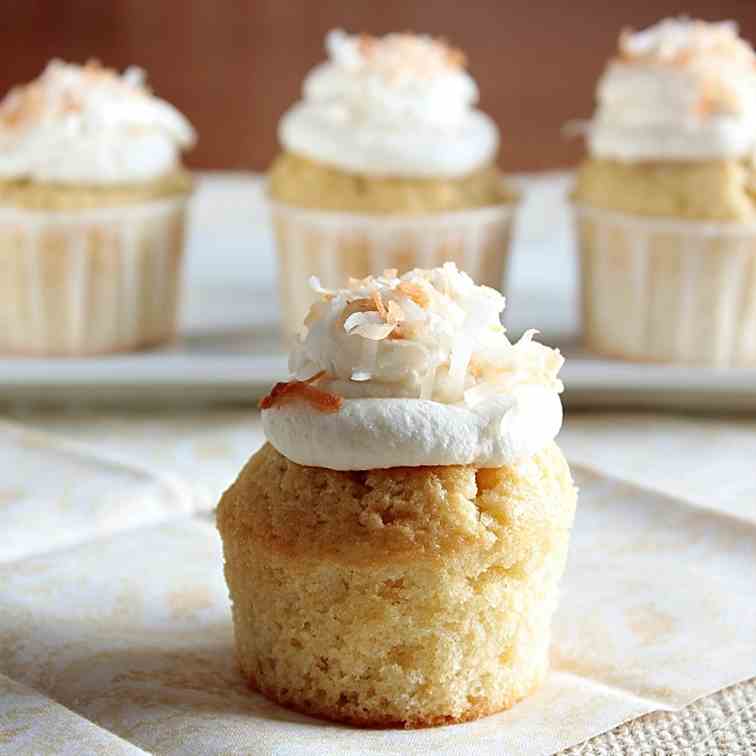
(393, 553)
(666, 201)
(92, 213)
(386, 163)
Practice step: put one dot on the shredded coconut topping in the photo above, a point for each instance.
(430, 334)
(395, 55)
(681, 40)
(679, 90)
(88, 124)
(398, 105)
(711, 52)
(65, 89)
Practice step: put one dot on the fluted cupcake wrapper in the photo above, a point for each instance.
(665, 290)
(90, 281)
(334, 246)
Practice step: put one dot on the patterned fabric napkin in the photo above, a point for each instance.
(115, 631)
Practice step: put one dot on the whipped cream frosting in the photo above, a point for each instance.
(399, 105)
(680, 90)
(88, 125)
(424, 374)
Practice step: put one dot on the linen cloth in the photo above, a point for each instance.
(132, 496)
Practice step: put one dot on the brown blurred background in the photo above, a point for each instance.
(234, 67)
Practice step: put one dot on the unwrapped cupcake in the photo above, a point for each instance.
(386, 163)
(393, 553)
(92, 213)
(666, 201)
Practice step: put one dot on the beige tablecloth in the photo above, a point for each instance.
(174, 465)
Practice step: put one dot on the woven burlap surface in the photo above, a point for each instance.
(720, 725)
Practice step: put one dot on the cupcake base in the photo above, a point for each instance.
(664, 290)
(401, 597)
(77, 283)
(377, 722)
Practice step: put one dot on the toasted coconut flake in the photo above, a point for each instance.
(475, 368)
(394, 55)
(356, 305)
(716, 97)
(379, 306)
(683, 42)
(366, 44)
(302, 390)
(391, 273)
(359, 283)
(395, 314)
(416, 293)
(455, 57)
(364, 304)
(65, 89)
(314, 378)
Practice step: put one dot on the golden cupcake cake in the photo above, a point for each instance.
(666, 200)
(393, 552)
(93, 202)
(386, 162)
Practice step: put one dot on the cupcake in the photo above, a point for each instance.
(386, 163)
(92, 213)
(394, 550)
(666, 200)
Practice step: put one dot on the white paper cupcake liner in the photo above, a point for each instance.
(334, 246)
(668, 290)
(90, 281)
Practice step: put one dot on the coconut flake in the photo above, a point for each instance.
(369, 325)
(460, 359)
(432, 334)
(394, 313)
(416, 293)
(427, 384)
(366, 368)
(480, 393)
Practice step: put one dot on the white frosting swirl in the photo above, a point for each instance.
(680, 90)
(400, 105)
(427, 374)
(88, 125)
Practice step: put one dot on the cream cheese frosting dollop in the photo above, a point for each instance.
(399, 105)
(88, 125)
(426, 376)
(680, 90)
